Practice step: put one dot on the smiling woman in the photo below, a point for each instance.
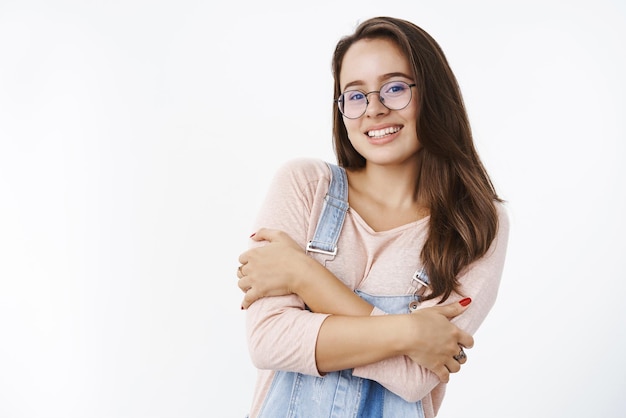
(137, 144)
(407, 219)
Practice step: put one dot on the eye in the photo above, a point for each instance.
(354, 95)
(395, 88)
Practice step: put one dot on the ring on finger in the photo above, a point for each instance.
(460, 356)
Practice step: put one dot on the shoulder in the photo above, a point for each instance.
(303, 171)
(297, 189)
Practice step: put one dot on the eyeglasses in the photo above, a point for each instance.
(395, 95)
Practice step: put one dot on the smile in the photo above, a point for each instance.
(379, 133)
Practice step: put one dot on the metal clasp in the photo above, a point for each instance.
(417, 277)
(311, 249)
(418, 283)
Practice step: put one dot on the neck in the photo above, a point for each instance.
(392, 186)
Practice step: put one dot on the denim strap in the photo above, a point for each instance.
(333, 214)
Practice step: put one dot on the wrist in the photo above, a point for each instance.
(303, 266)
(406, 334)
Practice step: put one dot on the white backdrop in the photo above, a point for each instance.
(137, 139)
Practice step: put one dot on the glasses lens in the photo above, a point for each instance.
(395, 95)
(352, 103)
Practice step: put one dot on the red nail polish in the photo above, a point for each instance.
(242, 308)
(253, 234)
(465, 302)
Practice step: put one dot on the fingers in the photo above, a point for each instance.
(244, 285)
(240, 271)
(466, 340)
(451, 365)
(265, 234)
(454, 309)
(249, 298)
(461, 357)
(452, 358)
(442, 373)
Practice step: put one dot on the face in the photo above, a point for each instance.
(382, 136)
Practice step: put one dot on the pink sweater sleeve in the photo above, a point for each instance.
(281, 334)
(481, 282)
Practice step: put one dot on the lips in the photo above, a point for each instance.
(381, 133)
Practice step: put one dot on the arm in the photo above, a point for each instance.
(325, 293)
(280, 267)
(345, 340)
(426, 337)
(281, 334)
(351, 341)
(284, 336)
(480, 282)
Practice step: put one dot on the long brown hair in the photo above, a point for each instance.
(451, 178)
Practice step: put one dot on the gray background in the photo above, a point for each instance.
(137, 139)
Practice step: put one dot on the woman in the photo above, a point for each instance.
(364, 331)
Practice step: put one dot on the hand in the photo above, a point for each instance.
(271, 269)
(435, 341)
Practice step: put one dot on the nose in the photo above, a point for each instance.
(375, 107)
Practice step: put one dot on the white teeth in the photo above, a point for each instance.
(382, 132)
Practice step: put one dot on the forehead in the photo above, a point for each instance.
(368, 61)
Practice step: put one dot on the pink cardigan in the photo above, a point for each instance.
(281, 335)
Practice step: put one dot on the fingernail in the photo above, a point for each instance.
(242, 307)
(253, 234)
(465, 302)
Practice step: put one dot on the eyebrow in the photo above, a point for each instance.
(382, 78)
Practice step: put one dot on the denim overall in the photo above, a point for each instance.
(339, 394)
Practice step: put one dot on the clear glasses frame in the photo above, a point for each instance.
(388, 96)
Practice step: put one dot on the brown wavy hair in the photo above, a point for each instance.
(451, 179)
